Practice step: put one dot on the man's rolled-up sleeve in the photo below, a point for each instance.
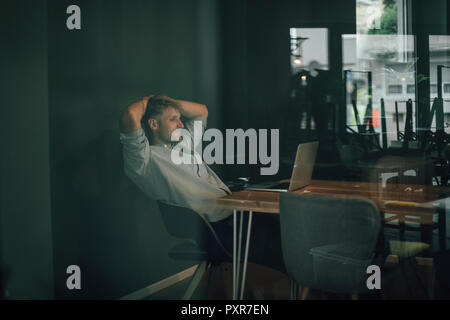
(136, 152)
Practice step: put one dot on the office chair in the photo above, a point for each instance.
(202, 243)
(406, 250)
(328, 242)
(403, 222)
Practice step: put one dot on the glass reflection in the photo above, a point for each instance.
(379, 72)
(440, 82)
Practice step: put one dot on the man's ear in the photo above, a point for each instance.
(153, 124)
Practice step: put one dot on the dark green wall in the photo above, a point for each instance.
(26, 255)
(124, 51)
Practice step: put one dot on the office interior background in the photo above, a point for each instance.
(317, 70)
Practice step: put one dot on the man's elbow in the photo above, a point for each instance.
(204, 111)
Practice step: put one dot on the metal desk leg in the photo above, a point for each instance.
(244, 268)
(442, 224)
(237, 253)
(238, 262)
(234, 256)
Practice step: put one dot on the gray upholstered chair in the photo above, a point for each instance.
(201, 241)
(328, 242)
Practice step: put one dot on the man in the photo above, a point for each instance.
(148, 162)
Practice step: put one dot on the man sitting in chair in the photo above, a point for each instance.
(148, 162)
(146, 132)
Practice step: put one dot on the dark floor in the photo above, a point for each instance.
(268, 284)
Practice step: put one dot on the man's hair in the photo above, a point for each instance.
(155, 108)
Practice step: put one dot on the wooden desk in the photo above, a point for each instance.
(414, 200)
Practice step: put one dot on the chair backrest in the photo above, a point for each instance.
(328, 242)
(185, 223)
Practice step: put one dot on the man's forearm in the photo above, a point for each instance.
(131, 118)
(192, 109)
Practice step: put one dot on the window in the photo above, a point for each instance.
(410, 88)
(446, 87)
(439, 47)
(394, 89)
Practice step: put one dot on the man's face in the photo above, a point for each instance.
(168, 123)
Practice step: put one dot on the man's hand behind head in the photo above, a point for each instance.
(131, 118)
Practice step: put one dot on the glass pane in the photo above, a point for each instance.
(440, 59)
(309, 49)
(376, 16)
(388, 61)
(395, 89)
(309, 69)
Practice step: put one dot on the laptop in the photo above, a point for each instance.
(301, 172)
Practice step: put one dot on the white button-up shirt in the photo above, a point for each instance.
(151, 168)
